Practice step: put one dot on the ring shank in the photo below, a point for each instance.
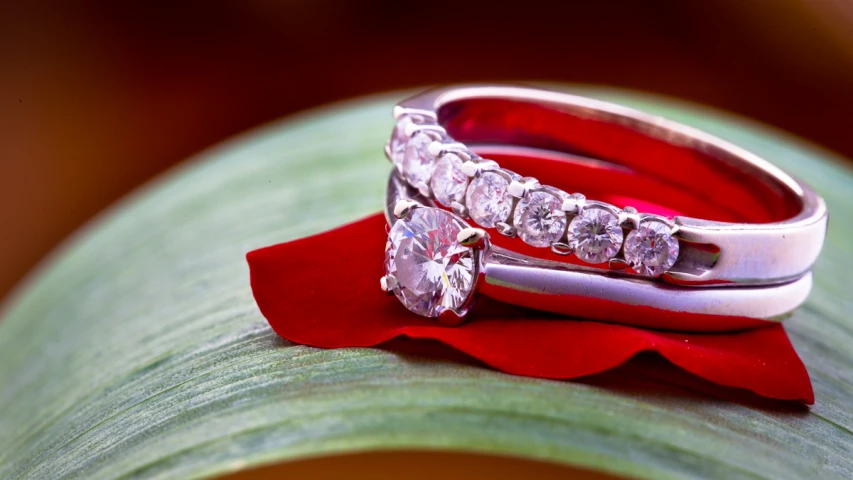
(784, 221)
(587, 292)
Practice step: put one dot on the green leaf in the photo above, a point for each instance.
(137, 349)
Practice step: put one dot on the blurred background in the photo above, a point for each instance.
(98, 97)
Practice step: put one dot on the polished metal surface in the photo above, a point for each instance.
(748, 253)
(727, 275)
(613, 296)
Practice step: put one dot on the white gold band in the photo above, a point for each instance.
(757, 270)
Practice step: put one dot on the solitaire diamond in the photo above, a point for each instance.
(539, 219)
(651, 249)
(398, 142)
(418, 163)
(426, 266)
(488, 199)
(595, 235)
(448, 180)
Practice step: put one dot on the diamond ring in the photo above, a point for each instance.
(449, 202)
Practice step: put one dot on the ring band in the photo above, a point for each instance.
(680, 273)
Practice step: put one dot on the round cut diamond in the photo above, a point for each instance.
(595, 235)
(488, 199)
(418, 163)
(448, 180)
(429, 268)
(651, 249)
(539, 220)
(398, 142)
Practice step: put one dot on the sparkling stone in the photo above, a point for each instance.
(539, 220)
(398, 142)
(488, 199)
(418, 163)
(651, 249)
(595, 235)
(429, 267)
(448, 180)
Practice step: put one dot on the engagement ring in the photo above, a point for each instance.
(446, 200)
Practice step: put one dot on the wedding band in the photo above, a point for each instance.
(676, 273)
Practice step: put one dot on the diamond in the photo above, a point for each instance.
(651, 249)
(429, 268)
(448, 180)
(488, 199)
(418, 163)
(398, 142)
(595, 235)
(539, 220)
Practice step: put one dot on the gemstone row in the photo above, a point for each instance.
(541, 216)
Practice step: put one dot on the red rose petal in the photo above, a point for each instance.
(333, 300)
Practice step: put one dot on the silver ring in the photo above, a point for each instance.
(676, 273)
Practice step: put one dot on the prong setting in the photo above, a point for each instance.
(519, 187)
(473, 167)
(447, 240)
(459, 209)
(387, 284)
(492, 197)
(629, 217)
(574, 203)
(403, 207)
(436, 131)
(506, 229)
(423, 189)
(472, 237)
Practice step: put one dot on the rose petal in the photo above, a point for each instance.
(333, 300)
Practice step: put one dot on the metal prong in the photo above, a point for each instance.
(505, 229)
(410, 128)
(449, 317)
(459, 209)
(561, 248)
(413, 128)
(459, 149)
(471, 168)
(517, 189)
(386, 284)
(399, 111)
(574, 204)
(629, 217)
(404, 207)
(388, 153)
(472, 237)
(617, 264)
(435, 148)
(423, 189)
